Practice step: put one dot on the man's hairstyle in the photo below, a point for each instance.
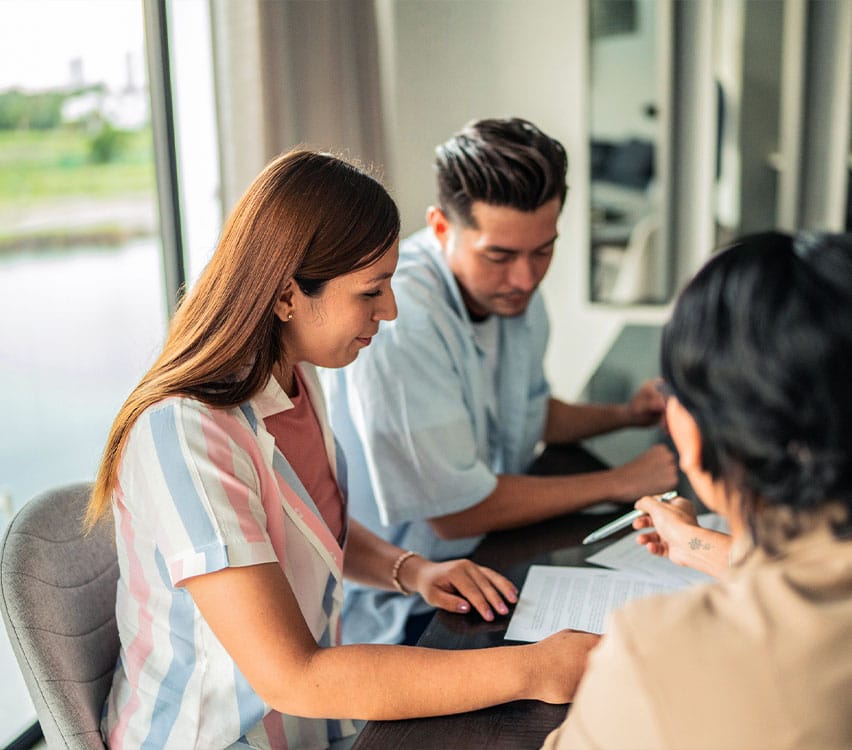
(501, 162)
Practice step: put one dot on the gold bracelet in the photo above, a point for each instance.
(395, 572)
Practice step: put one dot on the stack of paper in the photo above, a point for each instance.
(556, 597)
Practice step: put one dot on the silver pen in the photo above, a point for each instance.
(624, 521)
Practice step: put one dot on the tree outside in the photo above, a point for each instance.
(60, 150)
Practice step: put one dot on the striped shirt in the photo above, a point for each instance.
(201, 489)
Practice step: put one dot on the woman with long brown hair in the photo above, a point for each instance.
(228, 499)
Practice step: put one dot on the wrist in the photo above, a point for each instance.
(403, 572)
(618, 486)
(686, 545)
(527, 672)
(521, 667)
(626, 417)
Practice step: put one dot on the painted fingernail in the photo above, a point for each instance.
(462, 606)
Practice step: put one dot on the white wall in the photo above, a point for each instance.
(445, 62)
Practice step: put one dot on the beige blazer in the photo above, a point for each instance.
(761, 660)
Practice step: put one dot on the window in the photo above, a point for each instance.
(81, 291)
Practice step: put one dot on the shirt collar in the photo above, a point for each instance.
(439, 262)
(271, 400)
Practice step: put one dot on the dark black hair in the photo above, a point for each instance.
(759, 352)
(502, 162)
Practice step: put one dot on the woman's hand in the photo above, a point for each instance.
(458, 585)
(557, 663)
(670, 523)
(677, 535)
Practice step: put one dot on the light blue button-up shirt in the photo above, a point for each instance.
(422, 439)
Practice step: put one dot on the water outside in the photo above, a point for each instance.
(78, 327)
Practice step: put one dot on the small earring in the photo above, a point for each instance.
(289, 316)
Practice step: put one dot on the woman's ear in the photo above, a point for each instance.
(284, 304)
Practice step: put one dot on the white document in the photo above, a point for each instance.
(625, 554)
(555, 597)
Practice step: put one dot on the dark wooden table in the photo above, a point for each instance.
(511, 726)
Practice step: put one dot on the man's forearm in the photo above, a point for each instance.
(568, 423)
(518, 500)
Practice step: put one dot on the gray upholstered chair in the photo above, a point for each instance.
(57, 594)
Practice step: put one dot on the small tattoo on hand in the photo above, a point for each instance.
(696, 543)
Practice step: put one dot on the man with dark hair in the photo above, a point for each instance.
(441, 417)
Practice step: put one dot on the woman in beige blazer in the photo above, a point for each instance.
(757, 359)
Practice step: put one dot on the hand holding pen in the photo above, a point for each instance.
(622, 522)
(673, 531)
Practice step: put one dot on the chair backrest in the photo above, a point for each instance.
(57, 595)
(639, 279)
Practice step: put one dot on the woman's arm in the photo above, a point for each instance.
(454, 585)
(254, 613)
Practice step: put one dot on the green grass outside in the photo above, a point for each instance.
(51, 164)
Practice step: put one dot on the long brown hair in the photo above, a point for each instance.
(309, 217)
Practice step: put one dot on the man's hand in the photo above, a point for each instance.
(647, 406)
(652, 472)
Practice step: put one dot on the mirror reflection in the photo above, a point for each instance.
(748, 78)
(627, 242)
